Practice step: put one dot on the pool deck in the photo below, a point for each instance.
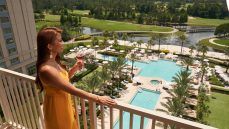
(128, 94)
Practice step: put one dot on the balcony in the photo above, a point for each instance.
(22, 108)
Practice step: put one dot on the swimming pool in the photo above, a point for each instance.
(164, 69)
(145, 99)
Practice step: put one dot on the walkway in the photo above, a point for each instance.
(212, 41)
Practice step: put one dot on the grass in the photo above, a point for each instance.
(214, 46)
(121, 26)
(52, 20)
(196, 21)
(219, 112)
(80, 12)
(222, 41)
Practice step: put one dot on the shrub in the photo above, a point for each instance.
(215, 81)
(82, 37)
(112, 54)
(220, 89)
(165, 51)
(79, 76)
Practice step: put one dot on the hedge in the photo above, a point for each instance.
(82, 37)
(220, 89)
(78, 77)
(112, 54)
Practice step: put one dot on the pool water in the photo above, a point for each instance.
(145, 99)
(164, 69)
(155, 82)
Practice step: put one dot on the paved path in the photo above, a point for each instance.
(212, 41)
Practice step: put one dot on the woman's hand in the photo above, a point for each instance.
(106, 100)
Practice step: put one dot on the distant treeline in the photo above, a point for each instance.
(141, 11)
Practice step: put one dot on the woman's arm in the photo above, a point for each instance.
(50, 76)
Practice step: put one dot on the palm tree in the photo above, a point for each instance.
(176, 104)
(150, 42)
(104, 75)
(192, 47)
(115, 37)
(131, 37)
(160, 37)
(93, 81)
(132, 58)
(202, 109)
(183, 39)
(106, 33)
(203, 70)
(124, 36)
(188, 62)
(105, 42)
(95, 41)
(121, 63)
(139, 42)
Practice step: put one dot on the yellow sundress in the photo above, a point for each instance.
(58, 110)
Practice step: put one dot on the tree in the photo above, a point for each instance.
(132, 58)
(93, 81)
(160, 37)
(182, 39)
(187, 61)
(176, 104)
(104, 75)
(192, 48)
(222, 29)
(95, 41)
(151, 41)
(139, 42)
(202, 109)
(121, 63)
(140, 19)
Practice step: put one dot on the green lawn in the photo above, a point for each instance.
(80, 12)
(222, 41)
(119, 26)
(207, 43)
(104, 24)
(196, 21)
(219, 110)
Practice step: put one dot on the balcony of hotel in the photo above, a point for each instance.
(21, 103)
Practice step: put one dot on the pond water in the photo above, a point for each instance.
(193, 38)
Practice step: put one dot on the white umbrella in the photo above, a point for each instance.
(88, 45)
(113, 50)
(72, 50)
(133, 50)
(196, 62)
(149, 50)
(96, 60)
(139, 54)
(136, 79)
(122, 51)
(81, 46)
(162, 53)
(136, 48)
(206, 60)
(96, 46)
(105, 62)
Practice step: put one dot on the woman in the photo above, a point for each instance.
(53, 77)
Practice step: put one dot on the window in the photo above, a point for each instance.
(3, 64)
(7, 30)
(18, 70)
(2, 8)
(31, 69)
(4, 19)
(15, 61)
(12, 51)
(9, 40)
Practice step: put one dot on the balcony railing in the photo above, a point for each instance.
(22, 107)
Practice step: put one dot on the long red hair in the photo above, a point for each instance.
(44, 37)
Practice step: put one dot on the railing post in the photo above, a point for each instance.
(111, 118)
(83, 110)
(153, 123)
(76, 112)
(92, 113)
